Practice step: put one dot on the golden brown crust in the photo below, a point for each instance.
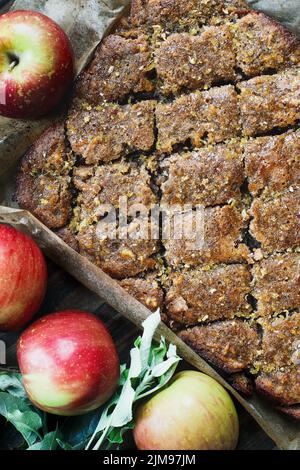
(147, 291)
(120, 66)
(43, 185)
(277, 284)
(107, 184)
(189, 62)
(210, 176)
(202, 296)
(230, 345)
(120, 258)
(275, 221)
(174, 14)
(270, 102)
(280, 360)
(108, 131)
(154, 118)
(253, 45)
(197, 116)
(262, 44)
(280, 387)
(222, 243)
(273, 162)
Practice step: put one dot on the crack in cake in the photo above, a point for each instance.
(189, 103)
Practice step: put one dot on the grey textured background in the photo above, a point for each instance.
(285, 11)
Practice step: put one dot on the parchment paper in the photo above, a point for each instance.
(86, 23)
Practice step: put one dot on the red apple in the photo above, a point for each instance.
(23, 278)
(36, 64)
(69, 363)
(193, 413)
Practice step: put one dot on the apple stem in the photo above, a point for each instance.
(13, 61)
(12, 65)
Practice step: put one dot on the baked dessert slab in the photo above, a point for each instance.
(120, 67)
(121, 258)
(106, 184)
(262, 45)
(270, 102)
(173, 14)
(253, 45)
(189, 62)
(189, 103)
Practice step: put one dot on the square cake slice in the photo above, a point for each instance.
(279, 379)
(119, 256)
(43, 185)
(189, 62)
(262, 44)
(205, 295)
(277, 284)
(231, 345)
(106, 132)
(174, 14)
(120, 67)
(215, 237)
(276, 221)
(113, 184)
(211, 115)
(273, 163)
(209, 176)
(270, 102)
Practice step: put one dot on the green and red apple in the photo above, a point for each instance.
(68, 362)
(193, 413)
(23, 278)
(36, 64)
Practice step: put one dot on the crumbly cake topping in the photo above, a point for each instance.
(190, 103)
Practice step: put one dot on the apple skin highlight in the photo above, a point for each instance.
(68, 362)
(194, 412)
(36, 64)
(23, 278)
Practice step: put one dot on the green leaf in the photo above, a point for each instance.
(12, 383)
(77, 430)
(65, 446)
(136, 364)
(19, 413)
(123, 374)
(122, 413)
(49, 442)
(161, 369)
(150, 325)
(116, 435)
(158, 353)
(151, 367)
